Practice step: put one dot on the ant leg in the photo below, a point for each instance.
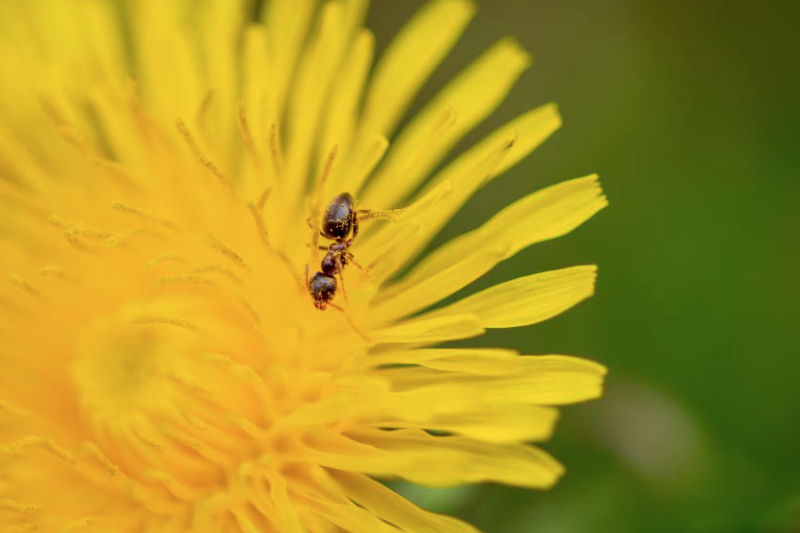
(340, 271)
(355, 227)
(350, 321)
(353, 260)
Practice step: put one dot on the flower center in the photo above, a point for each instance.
(159, 403)
(122, 368)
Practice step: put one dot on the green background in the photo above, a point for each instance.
(689, 111)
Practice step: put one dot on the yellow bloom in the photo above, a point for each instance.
(163, 170)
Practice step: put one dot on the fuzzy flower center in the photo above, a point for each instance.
(121, 369)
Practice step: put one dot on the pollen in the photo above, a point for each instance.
(208, 319)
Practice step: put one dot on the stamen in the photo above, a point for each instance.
(34, 441)
(72, 237)
(202, 111)
(257, 210)
(92, 451)
(16, 507)
(260, 224)
(166, 256)
(275, 150)
(114, 240)
(58, 222)
(246, 134)
(169, 321)
(78, 229)
(17, 280)
(316, 196)
(73, 137)
(80, 523)
(220, 270)
(262, 200)
(187, 136)
(188, 280)
(252, 311)
(146, 215)
(227, 252)
(51, 270)
(326, 170)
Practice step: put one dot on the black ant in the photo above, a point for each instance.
(340, 224)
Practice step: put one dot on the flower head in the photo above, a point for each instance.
(164, 171)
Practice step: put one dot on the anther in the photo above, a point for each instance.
(275, 150)
(227, 252)
(187, 136)
(169, 321)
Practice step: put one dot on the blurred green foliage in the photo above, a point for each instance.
(690, 112)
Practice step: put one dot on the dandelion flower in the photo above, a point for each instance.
(164, 166)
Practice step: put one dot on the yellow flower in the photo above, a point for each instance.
(164, 166)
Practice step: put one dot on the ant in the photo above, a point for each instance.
(339, 221)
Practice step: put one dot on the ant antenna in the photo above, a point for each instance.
(373, 214)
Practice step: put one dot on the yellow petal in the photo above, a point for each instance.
(526, 300)
(258, 100)
(168, 70)
(427, 330)
(428, 291)
(452, 460)
(469, 99)
(499, 423)
(478, 165)
(426, 207)
(306, 101)
(220, 23)
(349, 517)
(540, 379)
(342, 109)
(287, 23)
(355, 12)
(393, 508)
(541, 216)
(481, 361)
(285, 510)
(427, 38)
